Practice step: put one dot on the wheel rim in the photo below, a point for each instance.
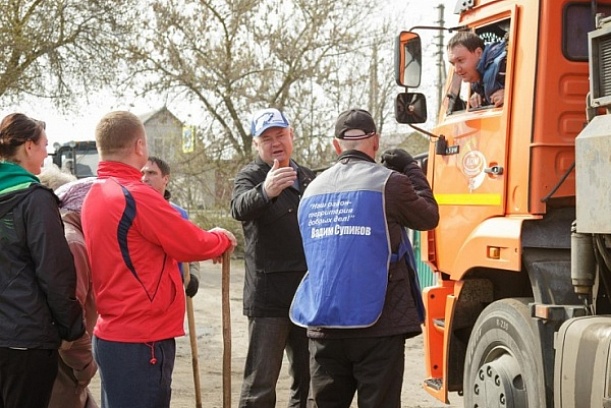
(498, 382)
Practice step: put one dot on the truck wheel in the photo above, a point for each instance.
(504, 367)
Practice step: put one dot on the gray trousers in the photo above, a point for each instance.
(269, 337)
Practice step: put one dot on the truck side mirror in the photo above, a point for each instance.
(410, 108)
(408, 59)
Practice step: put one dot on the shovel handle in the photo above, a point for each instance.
(226, 331)
(193, 339)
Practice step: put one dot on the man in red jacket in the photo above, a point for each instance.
(130, 232)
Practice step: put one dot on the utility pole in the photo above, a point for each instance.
(373, 81)
(441, 70)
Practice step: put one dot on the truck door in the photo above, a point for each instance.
(469, 180)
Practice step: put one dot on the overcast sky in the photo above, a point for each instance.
(80, 125)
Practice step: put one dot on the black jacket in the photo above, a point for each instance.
(273, 254)
(38, 305)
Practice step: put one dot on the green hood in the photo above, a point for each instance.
(14, 177)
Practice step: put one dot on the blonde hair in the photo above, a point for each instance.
(52, 177)
(116, 131)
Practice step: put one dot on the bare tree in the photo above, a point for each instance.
(310, 58)
(59, 48)
(234, 56)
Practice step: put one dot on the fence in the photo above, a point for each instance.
(425, 274)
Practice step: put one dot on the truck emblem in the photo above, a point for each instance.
(473, 164)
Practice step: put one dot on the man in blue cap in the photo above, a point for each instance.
(265, 199)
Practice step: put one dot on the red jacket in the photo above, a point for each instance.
(134, 239)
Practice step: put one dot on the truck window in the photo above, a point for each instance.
(459, 92)
(576, 23)
(80, 163)
(456, 96)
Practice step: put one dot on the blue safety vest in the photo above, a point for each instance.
(347, 246)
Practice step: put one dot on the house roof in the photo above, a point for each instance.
(146, 117)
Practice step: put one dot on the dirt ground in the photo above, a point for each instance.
(208, 317)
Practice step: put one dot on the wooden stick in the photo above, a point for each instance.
(192, 338)
(226, 332)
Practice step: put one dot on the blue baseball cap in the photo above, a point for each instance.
(265, 119)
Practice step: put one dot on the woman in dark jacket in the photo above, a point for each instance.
(38, 307)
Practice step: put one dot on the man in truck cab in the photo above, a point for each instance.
(481, 65)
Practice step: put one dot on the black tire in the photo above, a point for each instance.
(504, 366)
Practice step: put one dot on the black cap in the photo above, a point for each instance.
(355, 119)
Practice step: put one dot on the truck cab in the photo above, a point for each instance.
(77, 158)
(504, 178)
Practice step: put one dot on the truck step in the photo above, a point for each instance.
(439, 323)
(433, 383)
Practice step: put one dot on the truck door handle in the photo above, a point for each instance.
(494, 170)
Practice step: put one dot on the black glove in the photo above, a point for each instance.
(397, 159)
(192, 286)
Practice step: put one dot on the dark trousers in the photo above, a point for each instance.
(135, 375)
(26, 377)
(269, 337)
(371, 367)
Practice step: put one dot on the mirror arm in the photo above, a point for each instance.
(426, 132)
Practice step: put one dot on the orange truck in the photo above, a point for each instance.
(520, 315)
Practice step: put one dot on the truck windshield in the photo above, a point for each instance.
(81, 163)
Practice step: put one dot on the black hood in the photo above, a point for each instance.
(8, 201)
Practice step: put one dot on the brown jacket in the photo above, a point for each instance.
(76, 365)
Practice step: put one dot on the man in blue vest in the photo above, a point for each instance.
(356, 299)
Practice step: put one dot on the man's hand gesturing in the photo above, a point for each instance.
(278, 179)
